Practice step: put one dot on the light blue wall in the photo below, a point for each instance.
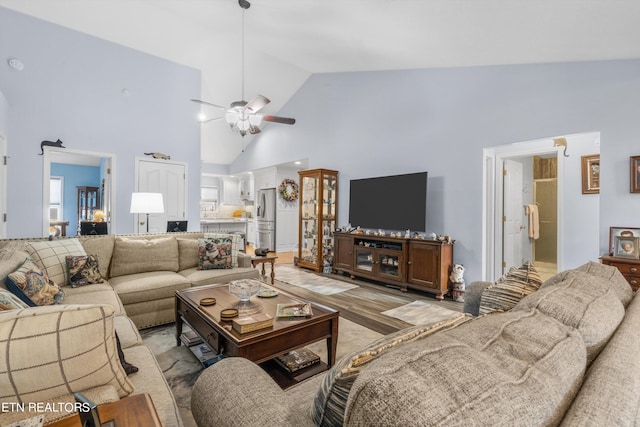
(439, 120)
(71, 89)
(74, 176)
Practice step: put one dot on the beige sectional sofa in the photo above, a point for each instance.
(566, 354)
(46, 353)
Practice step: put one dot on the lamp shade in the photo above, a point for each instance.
(146, 203)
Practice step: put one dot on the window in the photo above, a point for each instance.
(55, 197)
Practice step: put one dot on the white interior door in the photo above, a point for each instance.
(513, 209)
(168, 178)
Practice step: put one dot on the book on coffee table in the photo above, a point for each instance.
(294, 310)
(252, 323)
(298, 359)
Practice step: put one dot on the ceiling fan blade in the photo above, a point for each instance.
(207, 103)
(254, 130)
(283, 120)
(209, 120)
(257, 103)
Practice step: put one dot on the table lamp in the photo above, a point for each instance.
(146, 203)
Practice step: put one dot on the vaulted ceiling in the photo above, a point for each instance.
(288, 40)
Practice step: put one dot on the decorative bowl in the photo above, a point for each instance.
(244, 289)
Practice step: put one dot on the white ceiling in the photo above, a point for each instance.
(288, 40)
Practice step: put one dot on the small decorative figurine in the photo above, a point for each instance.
(407, 233)
(43, 144)
(432, 236)
(457, 281)
(158, 156)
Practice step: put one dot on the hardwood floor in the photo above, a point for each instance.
(365, 303)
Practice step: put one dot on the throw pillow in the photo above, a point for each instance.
(50, 256)
(141, 255)
(128, 367)
(58, 349)
(9, 301)
(33, 286)
(214, 253)
(235, 244)
(331, 399)
(83, 270)
(510, 289)
(9, 261)
(188, 250)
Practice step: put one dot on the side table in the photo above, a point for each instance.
(135, 410)
(629, 267)
(263, 260)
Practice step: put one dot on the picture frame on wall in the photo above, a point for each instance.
(634, 174)
(591, 174)
(618, 240)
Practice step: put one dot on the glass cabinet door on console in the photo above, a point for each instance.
(318, 209)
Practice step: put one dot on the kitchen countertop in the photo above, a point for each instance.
(223, 220)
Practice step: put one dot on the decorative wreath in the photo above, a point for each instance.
(288, 190)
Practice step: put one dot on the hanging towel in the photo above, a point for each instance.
(534, 224)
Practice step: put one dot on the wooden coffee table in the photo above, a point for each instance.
(263, 345)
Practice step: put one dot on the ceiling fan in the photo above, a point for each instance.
(243, 116)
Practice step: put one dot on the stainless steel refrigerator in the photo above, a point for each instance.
(266, 219)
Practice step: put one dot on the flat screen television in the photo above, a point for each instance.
(397, 202)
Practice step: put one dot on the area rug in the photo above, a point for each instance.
(310, 281)
(421, 312)
(182, 369)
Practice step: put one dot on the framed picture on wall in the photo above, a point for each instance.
(634, 174)
(591, 174)
(618, 241)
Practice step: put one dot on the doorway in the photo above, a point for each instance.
(168, 178)
(106, 164)
(507, 241)
(545, 248)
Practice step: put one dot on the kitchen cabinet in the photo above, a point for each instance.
(246, 188)
(317, 218)
(231, 191)
(251, 232)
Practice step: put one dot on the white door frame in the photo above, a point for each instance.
(493, 163)
(46, 176)
(3, 186)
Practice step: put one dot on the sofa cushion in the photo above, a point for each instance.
(83, 270)
(521, 368)
(618, 283)
(33, 286)
(331, 399)
(9, 261)
(235, 244)
(131, 256)
(99, 293)
(145, 287)
(50, 255)
(188, 249)
(102, 247)
(215, 253)
(582, 301)
(208, 277)
(127, 332)
(10, 301)
(49, 351)
(510, 289)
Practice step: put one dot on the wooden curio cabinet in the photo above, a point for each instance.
(317, 223)
(88, 202)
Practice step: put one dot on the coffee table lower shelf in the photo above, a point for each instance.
(285, 379)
